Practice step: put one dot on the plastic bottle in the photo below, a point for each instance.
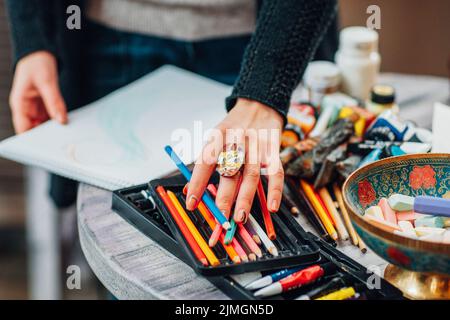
(358, 60)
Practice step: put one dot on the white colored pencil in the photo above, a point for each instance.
(267, 243)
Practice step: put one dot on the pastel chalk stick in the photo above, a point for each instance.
(432, 205)
(435, 222)
(446, 222)
(433, 237)
(400, 202)
(423, 231)
(446, 237)
(405, 234)
(382, 224)
(407, 227)
(374, 211)
(388, 213)
(409, 215)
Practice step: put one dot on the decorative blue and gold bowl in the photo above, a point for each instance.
(418, 174)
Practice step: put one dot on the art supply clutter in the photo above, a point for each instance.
(345, 132)
(141, 208)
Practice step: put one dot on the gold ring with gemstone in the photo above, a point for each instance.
(230, 160)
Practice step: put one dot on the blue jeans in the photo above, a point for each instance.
(114, 58)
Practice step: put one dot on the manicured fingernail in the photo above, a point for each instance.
(274, 205)
(239, 216)
(185, 188)
(60, 118)
(245, 218)
(192, 203)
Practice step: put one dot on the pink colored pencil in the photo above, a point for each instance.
(253, 233)
(249, 241)
(239, 250)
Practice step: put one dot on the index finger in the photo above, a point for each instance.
(203, 169)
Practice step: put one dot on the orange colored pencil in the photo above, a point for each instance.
(265, 212)
(319, 208)
(212, 259)
(182, 226)
(207, 215)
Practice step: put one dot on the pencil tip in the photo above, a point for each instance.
(226, 225)
(237, 259)
(273, 251)
(204, 261)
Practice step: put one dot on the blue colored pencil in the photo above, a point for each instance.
(209, 202)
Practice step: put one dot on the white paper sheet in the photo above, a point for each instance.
(119, 140)
(441, 128)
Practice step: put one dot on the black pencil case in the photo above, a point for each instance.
(147, 218)
(293, 244)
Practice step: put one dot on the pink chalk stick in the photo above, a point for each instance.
(388, 213)
(408, 215)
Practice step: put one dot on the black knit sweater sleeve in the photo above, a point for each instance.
(286, 37)
(31, 24)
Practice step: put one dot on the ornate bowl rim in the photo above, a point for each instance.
(434, 247)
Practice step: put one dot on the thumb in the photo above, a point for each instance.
(53, 101)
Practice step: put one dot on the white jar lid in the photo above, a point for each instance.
(359, 38)
(321, 74)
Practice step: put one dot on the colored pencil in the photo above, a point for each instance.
(315, 202)
(268, 244)
(229, 236)
(329, 204)
(265, 211)
(288, 201)
(212, 223)
(182, 226)
(253, 233)
(307, 209)
(240, 251)
(212, 189)
(247, 238)
(209, 202)
(230, 232)
(361, 245)
(348, 222)
(250, 254)
(212, 259)
(323, 205)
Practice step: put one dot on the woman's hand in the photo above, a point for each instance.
(257, 128)
(35, 95)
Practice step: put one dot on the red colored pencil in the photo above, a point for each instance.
(182, 226)
(265, 212)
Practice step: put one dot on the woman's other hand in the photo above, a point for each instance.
(35, 96)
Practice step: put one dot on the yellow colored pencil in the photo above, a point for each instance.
(195, 233)
(309, 192)
(328, 201)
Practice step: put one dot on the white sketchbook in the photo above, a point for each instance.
(119, 140)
